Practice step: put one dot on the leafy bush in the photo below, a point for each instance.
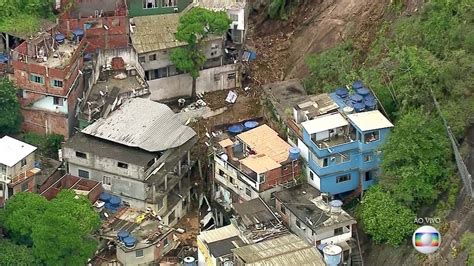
(48, 145)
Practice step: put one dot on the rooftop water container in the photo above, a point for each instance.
(356, 98)
(59, 38)
(236, 129)
(104, 196)
(332, 254)
(122, 234)
(78, 34)
(348, 110)
(363, 91)
(88, 57)
(115, 201)
(129, 241)
(250, 124)
(189, 261)
(357, 84)
(342, 93)
(359, 107)
(370, 104)
(369, 96)
(294, 153)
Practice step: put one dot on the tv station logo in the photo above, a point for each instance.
(426, 239)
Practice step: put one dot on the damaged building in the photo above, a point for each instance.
(140, 152)
(48, 75)
(154, 46)
(251, 164)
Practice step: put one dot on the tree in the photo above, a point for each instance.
(12, 254)
(58, 230)
(10, 116)
(384, 218)
(48, 145)
(415, 158)
(61, 236)
(194, 27)
(24, 16)
(20, 211)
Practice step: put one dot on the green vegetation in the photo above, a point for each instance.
(411, 59)
(62, 227)
(467, 243)
(12, 254)
(384, 218)
(10, 117)
(24, 16)
(48, 145)
(194, 27)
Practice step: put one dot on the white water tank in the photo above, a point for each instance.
(332, 254)
(348, 110)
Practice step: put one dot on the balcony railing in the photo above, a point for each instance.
(5, 179)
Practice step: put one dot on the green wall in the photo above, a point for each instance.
(135, 8)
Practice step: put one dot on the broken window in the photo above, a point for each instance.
(36, 79)
(57, 83)
(338, 231)
(372, 136)
(122, 165)
(141, 59)
(368, 157)
(152, 57)
(368, 176)
(169, 3)
(149, 3)
(58, 101)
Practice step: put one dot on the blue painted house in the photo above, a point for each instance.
(339, 135)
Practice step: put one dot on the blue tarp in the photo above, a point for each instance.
(4, 58)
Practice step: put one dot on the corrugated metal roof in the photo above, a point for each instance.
(285, 250)
(323, 123)
(219, 234)
(12, 151)
(153, 33)
(142, 123)
(222, 5)
(370, 120)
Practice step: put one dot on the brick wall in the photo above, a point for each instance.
(43, 122)
(281, 175)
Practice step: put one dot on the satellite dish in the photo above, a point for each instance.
(224, 157)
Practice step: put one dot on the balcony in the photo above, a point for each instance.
(5, 179)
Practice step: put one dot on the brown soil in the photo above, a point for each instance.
(190, 223)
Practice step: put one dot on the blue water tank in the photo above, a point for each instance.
(332, 254)
(357, 84)
(129, 241)
(355, 98)
(37, 164)
(78, 34)
(115, 201)
(250, 124)
(59, 38)
(88, 57)
(236, 129)
(359, 107)
(363, 91)
(294, 153)
(122, 234)
(104, 196)
(342, 93)
(370, 104)
(369, 96)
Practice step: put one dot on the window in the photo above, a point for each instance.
(282, 209)
(343, 178)
(231, 180)
(311, 175)
(171, 217)
(372, 136)
(139, 253)
(21, 93)
(149, 3)
(165, 242)
(298, 224)
(248, 192)
(81, 155)
(141, 59)
(321, 162)
(152, 57)
(368, 157)
(231, 76)
(368, 176)
(3, 169)
(106, 180)
(185, 202)
(23, 162)
(24, 186)
(261, 178)
(57, 83)
(169, 3)
(234, 17)
(58, 101)
(343, 157)
(36, 79)
(338, 231)
(82, 173)
(221, 173)
(122, 165)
